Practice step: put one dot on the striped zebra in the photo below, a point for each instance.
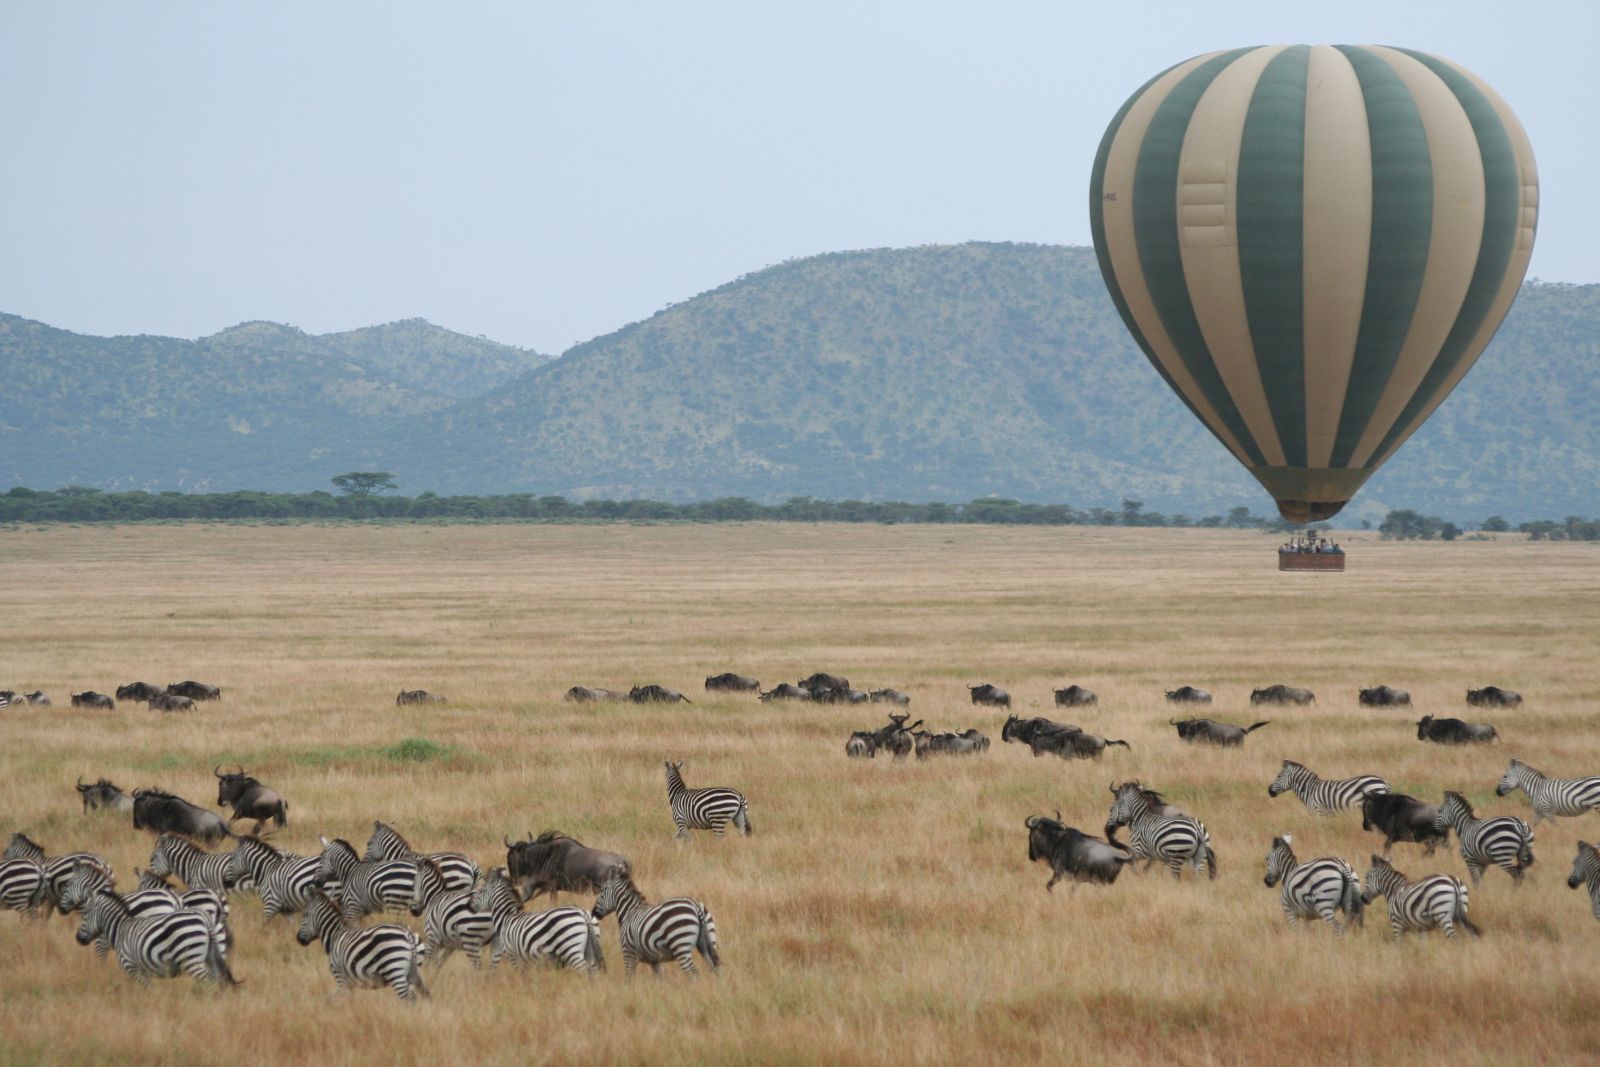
(564, 935)
(449, 921)
(23, 847)
(1438, 900)
(656, 933)
(1174, 839)
(1551, 797)
(1324, 796)
(56, 871)
(386, 844)
(368, 957)
(22, 886)
(283, 880)
(198, 868)
(160, 945)
(213, 902)
(1316, 889)
(711, 808)
(1505, 841)
(366, 886)
(91, 878)
(1586, 868)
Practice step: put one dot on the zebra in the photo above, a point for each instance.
(283, 880)
(366, 886)
(1316, 889)
(1550, 797)
(22, 884)
(91, 878)
(198, 868)
(23, 847)
(386, 844)
(565, 935)
(711, 808)
(1505, 841)
(213, 902)
(653, 934)
(161, 945)
(449, 921)
(368, 957)
(1174, 839)
(1324, 796)
(1439, 900)
(56, 871)
(1586, 868)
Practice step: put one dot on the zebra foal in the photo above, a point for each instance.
(368, 957)
(1324, 796)
(656, 933)
(1550, 797)
(1317, 889)
(710, 808)
(1505, 841)
(1438, 901)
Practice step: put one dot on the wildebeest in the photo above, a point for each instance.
(1282, 694)
(1400, 817)
(732, 683)
(161, 812)
(785, 691)
(1188, 694)
(967, 743)
(584, 694)
(1080, 744)
(555, 863)
(656, 694)
(1074, 854)
(1454, 731)
(839, 696)
(91, 699)
(249, 799)
(861, 745)
(102, 795)
(142, 691)
(1211, 732)
(888, 696)
(896, 736)
(37, 698)
(1383, 696)
(1492, 696)
(1028, 731)
(991, 695)
(1075, 696)
(418, 696)
(195, 690)
(171, 702)
(821, 680)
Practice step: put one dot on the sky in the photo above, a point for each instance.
(543, 173)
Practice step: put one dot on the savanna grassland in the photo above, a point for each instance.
(881, 913)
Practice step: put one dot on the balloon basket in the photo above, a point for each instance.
(1311, 561)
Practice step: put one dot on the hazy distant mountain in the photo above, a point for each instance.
(925, 373)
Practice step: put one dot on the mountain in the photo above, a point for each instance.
(941, 372)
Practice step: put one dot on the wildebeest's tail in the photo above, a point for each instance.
(281, 816)
(741, 819)
(707, 941)
(1257, 726)
(1124, 744)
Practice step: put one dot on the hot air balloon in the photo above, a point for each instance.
(1312, 245)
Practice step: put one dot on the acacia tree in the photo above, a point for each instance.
(363, 483)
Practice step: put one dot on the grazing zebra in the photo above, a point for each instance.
(366, 885)
(1174, 839)
(565, 935)
(1316, 889)
(198, 868)
(1438, 900)
(1505, 841)
(711, 808)
(368, 957)
(449, 921)
(656, 933)
(1324, 796)
(1551, 796)
(283, 880)
(21, 886)
(1586, 868)
(161, 945)
(386, 844)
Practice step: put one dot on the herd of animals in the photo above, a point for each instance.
(159, 929)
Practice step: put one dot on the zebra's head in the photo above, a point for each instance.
(87, 879)
(1127, 801)
(1512, 778)
(97, 914)
(1381, 879)
(338, 856)
(427, 882)
(322, 915)
(1285, 778)
(611, 891)
(1585, 865)
(1452, 811)
(23, 847)
(1280, 860)
(161, 856)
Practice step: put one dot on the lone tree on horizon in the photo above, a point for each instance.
(363, 483)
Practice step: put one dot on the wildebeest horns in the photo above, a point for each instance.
(81, 787)
(217, 770)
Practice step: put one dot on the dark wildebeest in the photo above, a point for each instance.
(171, 702)
(732, 683)
(991, 695)
(888, 696)
(583, 694)
(1028, 730)
(1282, 694)
(1075, 696)
(1074, 854)
(1211, 732)
(656, 694)
(1383, 696)
(821, 680)
(896, 736)
(785, 691)
(142, 691)
(1492, 696)
(103, 795)
(91, 699)
(1454, 731)
(839, 696)
(249, 799)
(966, 743)
(1081, 745)
(37, 697)
(195, 690)
(161, 812)
(1400, 817)
(418, 696)
(555, 863)
(861, 745)
(1188, 694)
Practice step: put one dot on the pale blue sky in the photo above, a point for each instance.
(543, 173)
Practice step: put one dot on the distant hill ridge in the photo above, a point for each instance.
(932, 373)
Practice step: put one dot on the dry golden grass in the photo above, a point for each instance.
(882, 913)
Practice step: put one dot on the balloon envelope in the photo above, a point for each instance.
(1312, 245)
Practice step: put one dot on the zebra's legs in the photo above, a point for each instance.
(1475, 871)
(1330, 917)
(683, 828)
(686, 961)
(1448, 925)
(630, 963)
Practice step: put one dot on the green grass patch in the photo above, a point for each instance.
(417, 750)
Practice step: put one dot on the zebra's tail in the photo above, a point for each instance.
(414, 968)
(217, 955)
(1355, 902)
(1525, 852)
(591, 946)
(741, 819)
(1461, 912)
(707, 942)
(1211, 861)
